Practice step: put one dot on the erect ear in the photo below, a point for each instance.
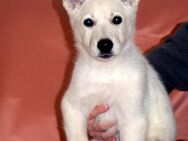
(131, 2)
(71, 5)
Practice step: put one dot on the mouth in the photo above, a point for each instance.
(105, 55)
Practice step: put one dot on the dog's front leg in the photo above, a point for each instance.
(134, 130)
(134, 124)
(74, 122)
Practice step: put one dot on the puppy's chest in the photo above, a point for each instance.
(102, 85)
(97, 86)
(95, 90)
(96, 94)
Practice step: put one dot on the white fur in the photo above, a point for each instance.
(126, 82)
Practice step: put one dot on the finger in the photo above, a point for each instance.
(111, 139)
(103, 126)
(98, 135)
(103, 135)
(90, 124)
(98, 110)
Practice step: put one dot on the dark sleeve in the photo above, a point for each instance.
(170, 60)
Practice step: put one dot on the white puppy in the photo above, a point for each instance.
(110, 69)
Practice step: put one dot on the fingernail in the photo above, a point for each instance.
(106, 106)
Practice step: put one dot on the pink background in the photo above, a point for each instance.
(36, 50)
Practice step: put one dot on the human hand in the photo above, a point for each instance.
(99, 130)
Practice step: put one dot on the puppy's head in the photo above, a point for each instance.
(102, 28)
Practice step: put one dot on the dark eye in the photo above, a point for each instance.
(88, 22)
(117, 20)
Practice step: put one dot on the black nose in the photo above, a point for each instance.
(105, 46)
